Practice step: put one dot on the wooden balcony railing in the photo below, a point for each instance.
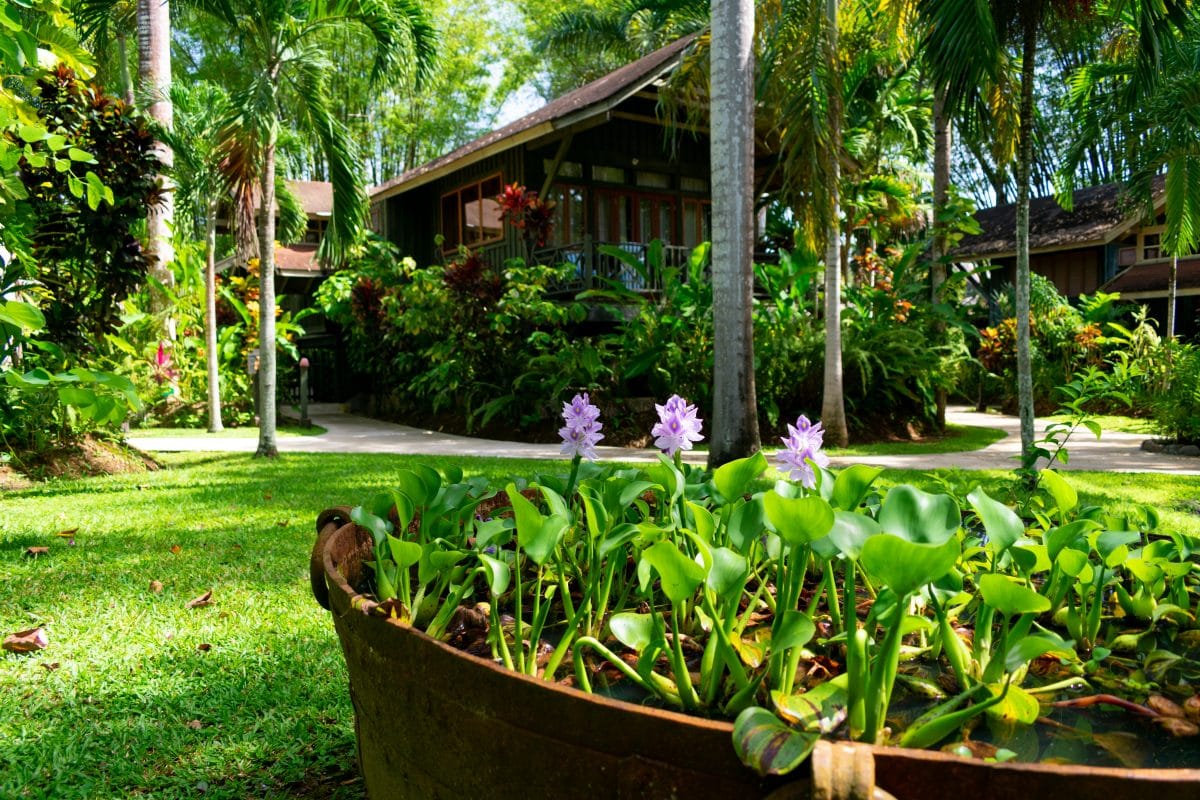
(593, 268)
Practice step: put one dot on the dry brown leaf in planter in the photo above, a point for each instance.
(203, 600)
(156, 587)
(34, 552)
(29, 641)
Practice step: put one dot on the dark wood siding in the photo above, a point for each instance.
(1074, 272)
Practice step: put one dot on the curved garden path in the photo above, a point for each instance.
(350, 433)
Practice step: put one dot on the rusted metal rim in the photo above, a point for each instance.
(515, 701)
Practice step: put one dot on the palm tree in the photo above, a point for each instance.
(735, 408)
(280, 43)
(154, 77)
(195, 140)
(1155, 115)
(966, 45)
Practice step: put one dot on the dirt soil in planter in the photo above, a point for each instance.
(85, 457)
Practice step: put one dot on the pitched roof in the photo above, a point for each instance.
(316, 197)
(1099, 214)
(296, 260)
(1143, 281)
(588, 100)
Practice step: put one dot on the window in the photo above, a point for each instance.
(567, 169)
(697, 222)
(608, 174)
(653, 180)
(471, 215)
(689, 184)
(635, 217)
(569, 215)
(1151, 245)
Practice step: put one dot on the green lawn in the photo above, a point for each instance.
(1116, 422)
(283, 431)
(125, 702)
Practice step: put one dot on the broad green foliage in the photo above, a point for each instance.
(489, 343)
(631, 562)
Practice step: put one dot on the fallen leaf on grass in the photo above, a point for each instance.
(203, 600)
(53, 665)
(283, 523)
(204, 647)
(176, 549)
(195, 724)
(69, 533)
(156, 587)
(267, 495)
(28, 641)
(34, 552)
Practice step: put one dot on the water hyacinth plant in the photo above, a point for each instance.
(820, 604)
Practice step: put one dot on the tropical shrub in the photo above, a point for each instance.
(1177, 408)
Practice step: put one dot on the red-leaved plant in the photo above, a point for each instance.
(528, 213)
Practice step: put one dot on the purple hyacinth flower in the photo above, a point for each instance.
(581, 432)
(803, 444)
(677, 427)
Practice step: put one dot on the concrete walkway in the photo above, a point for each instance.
(349, 433)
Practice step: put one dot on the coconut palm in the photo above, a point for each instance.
(287, 73)
(735, 408)
(967, 45)
(1155, 115)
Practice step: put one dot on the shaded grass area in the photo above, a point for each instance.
(957, 439)
(125, 703)
(284, 431)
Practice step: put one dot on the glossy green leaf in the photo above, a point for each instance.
(405, 554)
(634, 490)
(679, 574)
(22, 315)
(635, 631)
(819, 703)
(1028, 648)
(1064, 495)
(379, 527)
(705, 523)
(536, 534)
(796, 629)
(767, 745)
(918, 516)
(1070, 535)
(907, 566)
(411, 484)
(1071, 562)
(1002, 524)
(732, 479)
(1018, 706)
(852, 485)
(728, 573)
(798, 521)
(746, 524)
(1009, 597)
(497, 573)
(851, 531)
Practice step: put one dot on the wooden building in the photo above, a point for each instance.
(1102, 244)
(616, 171)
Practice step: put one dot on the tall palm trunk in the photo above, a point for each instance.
(266, 303)
(1024, 161)
(1172, 290)
(941, 190)
(833, 402)
(210, 318)
(154, 74)
(123, 67)
(735, 409)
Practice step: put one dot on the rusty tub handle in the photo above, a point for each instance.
(328, 522)
(844, 771)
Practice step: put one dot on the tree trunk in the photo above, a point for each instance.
(266, 304)
(941, 190)
(123, 65)
(154, 74)
(1172, 288)
(735, 407)
(833, 401)
(1024, 159)
(210, 318)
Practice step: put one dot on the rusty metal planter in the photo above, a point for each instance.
(434, 722)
